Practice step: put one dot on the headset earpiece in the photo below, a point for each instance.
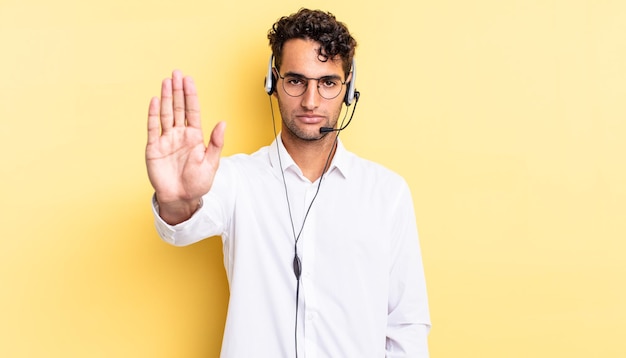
(270, 79)
(351, 93)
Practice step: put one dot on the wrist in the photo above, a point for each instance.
(175, 212)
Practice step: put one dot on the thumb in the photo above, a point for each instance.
(216, 142)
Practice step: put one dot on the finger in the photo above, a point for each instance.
(154, 128)
(167, 119)
(192, 104)
(216, 143)
(179, 98)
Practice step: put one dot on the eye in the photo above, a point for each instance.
(329, 82)
(295, 81)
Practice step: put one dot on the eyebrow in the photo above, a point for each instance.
(290, 73)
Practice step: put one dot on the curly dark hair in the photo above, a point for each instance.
(316, 25)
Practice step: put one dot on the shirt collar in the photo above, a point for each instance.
(340, 162)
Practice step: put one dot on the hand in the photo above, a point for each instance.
(180, 167)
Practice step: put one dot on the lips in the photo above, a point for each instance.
(311, 118)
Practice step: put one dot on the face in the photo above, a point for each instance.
(303, 116)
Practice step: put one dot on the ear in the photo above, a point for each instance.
(349, 78)
(274, 81)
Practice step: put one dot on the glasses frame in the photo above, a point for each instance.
(306, 86)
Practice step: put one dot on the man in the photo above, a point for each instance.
(320, 246)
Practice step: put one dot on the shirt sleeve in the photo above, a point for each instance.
(201, 225)
(408, 320)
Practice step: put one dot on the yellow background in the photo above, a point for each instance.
(507, 118)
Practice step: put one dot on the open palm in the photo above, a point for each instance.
(180, 167)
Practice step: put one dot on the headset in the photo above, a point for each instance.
(351, 93)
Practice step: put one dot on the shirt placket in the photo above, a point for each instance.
(309, 289)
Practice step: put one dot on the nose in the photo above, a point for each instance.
(311, 97)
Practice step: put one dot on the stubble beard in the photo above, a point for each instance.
(290, 126)
(295, 131)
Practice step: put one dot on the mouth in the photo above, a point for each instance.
(311, 118)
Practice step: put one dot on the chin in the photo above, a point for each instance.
(310, 136)
(305, 134)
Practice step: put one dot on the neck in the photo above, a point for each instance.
(310, 156)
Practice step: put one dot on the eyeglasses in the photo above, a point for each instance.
(328, 87)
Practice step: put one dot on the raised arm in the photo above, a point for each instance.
(180, 166)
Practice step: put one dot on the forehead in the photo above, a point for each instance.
(302, 57)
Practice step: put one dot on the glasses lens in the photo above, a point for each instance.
(294, 85)
(329, 88)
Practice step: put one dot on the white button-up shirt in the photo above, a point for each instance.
(362, 288)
